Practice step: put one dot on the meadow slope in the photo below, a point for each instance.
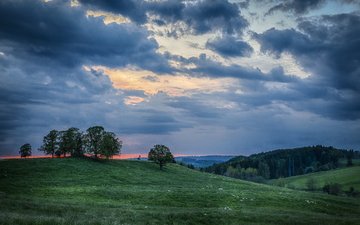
(346, 177)
(83, 191)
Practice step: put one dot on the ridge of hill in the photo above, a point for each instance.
(203, 161)
(347, 177)
(284, 163)
(83, 191)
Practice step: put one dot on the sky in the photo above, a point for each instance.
(200, 76)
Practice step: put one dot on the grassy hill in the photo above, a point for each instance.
(284, 163)
(346, 177)
(82, 191)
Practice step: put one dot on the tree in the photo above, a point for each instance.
(264, 170)
(70, 141)
(25, 150)
(161, 155)
(110, 145)
(50, 143)
(349, 156)
(93, 140)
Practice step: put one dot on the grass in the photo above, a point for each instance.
(346, 177)
(83, 191)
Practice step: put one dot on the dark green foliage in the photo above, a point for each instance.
(347, 177)
(110, 145)
(284, 162)
(352, 192)
(50, 143)
(70, 142)
(332, 188)
(93, 139)
(161, 155)
(349, 157)
(191, 166)
(96, 141)
(242, 173)
(264, 170)
(25, 150)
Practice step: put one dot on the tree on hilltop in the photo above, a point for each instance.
(161, 155)
(70, 141)
(25, 150)
(100, 142)
(110, 145)
(50, 143)
(93, 139)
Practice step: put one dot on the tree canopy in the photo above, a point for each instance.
(100, 142)
(161, 155)
(283, 162)
(72, 141)
(50, 143)
(25, 150)
(93, 139)
(110, 145)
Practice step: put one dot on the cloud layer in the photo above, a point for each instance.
(63, 64)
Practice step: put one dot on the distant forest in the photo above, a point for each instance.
(284, 163)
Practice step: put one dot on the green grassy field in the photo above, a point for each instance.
(82, 191)
(346, 177)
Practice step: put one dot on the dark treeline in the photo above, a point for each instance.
(74, 142)
(283, 163)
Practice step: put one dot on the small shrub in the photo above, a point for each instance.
(191, 166)
(309, 169)
(352, 192)
(332, 189)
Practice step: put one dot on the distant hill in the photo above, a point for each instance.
(84, 191)
(284, 163)
(346, 177)
(203, 161)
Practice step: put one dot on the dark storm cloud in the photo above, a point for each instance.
(199, 17)
(43, 85)
(195, 108)
(228, 46)
(296, 6)
(55, 33)
(146, 121)
(209, 68)
(330, 49)
(132, 9)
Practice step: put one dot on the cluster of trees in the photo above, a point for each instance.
(283, 163)
(95, 141)
(331, 188)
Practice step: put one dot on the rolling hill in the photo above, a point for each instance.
(203, 161)
(284, 163)
(346, 177)
(83, 191)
